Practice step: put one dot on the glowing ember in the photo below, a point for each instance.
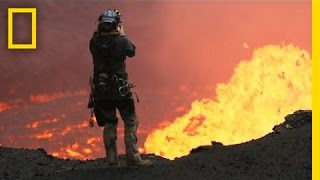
(276, 82)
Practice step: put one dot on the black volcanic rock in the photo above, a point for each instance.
(284, 155)
(217, 144)
(299, 118)
(295, 120)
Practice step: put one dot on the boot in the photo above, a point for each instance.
(140, 163)
(132, 154)
(110, 138)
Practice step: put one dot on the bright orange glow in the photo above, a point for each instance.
(43, 98)
(4, 106)
(35, 124)
(87, 150)
(55, 154)
(84, 124)
(45, 135)
(79, 151)
(81, 93)
(261, 92)
(93, 141)
(66, 130)
(73, 153)
(141, 150)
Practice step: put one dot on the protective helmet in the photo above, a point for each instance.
(110, 16)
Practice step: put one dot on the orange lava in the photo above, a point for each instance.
(261, 92)
(4, 106)
(45, 135)
(43, 98)
(35, 124)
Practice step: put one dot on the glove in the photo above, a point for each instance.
(121, 30)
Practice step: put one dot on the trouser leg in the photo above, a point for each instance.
(105, 112)
(127, 112)
(110, 138)
(131, 142)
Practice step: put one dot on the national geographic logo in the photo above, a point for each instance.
(33, 44)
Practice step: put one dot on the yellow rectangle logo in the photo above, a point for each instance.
(33, 12)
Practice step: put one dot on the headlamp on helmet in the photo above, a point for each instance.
(110, 16)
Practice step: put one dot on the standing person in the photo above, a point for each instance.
(109, 47)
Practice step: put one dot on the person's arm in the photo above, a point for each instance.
(130, 49)
(92, 43)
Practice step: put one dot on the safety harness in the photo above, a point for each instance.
(123, 86)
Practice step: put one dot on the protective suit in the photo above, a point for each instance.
(110, 47)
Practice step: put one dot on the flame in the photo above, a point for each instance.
(276, 82)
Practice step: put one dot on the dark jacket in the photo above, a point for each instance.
(109, 51)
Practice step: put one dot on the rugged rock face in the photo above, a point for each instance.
(295, 120)
(282, 154)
